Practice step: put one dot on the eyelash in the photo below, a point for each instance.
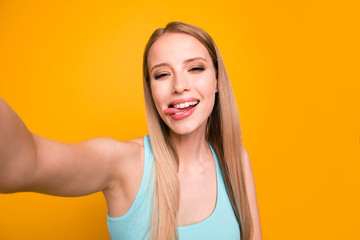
(194, 69)
(161, 75)
(197, 69)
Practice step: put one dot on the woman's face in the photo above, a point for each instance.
(183, 82)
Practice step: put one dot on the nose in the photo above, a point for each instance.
(180, 84)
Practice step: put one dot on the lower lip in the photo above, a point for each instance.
(183, 114)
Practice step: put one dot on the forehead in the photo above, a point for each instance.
(176, 47)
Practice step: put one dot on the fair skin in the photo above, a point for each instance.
(181, 70)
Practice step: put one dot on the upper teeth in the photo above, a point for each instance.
(185, 105)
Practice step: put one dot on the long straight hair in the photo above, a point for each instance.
(223, 132)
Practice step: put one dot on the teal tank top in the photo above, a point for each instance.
(133, 225)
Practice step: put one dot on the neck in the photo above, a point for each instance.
(191, 148)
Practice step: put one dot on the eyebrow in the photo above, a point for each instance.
(186, 61)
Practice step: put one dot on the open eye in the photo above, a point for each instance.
(161, 75)
(197, 69)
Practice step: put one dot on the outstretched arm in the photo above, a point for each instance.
(32, 163)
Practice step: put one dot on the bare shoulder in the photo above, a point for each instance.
(246, 155)
(126, 177)
(113, 146)
(132, 151)
(247, 162)
(127, 163)
(114, 149)
(139, 141)
(248, 172)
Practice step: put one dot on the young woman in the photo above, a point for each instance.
(189, 179)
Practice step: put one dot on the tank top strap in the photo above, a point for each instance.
(148, 164)
(134, 224)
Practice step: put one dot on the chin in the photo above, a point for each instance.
(181, 131)
(187, 129)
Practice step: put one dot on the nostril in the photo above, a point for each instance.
(180, 85)
(181, 89)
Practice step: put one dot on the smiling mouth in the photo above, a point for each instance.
(184, 105)
(183, 108)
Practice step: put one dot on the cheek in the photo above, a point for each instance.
(158, 96)
(207, 84)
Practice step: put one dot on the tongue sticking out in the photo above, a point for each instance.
(172, 110)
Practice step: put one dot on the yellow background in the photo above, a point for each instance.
(72, 71)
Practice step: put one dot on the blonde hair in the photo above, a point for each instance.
(223, 132)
